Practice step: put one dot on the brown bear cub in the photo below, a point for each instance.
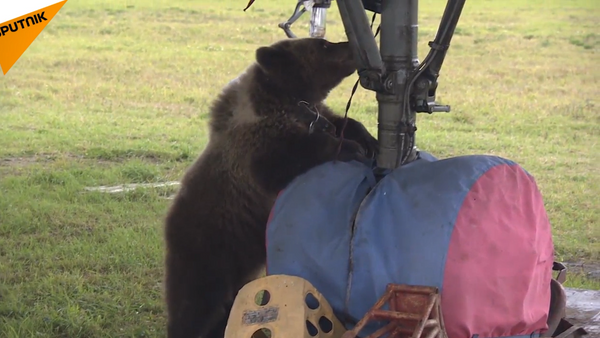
(259, 142)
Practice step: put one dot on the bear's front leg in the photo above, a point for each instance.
(356, 131)
(353, 130)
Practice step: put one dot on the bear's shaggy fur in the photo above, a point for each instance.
(259, 142)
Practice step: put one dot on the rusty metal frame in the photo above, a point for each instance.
(414, 311)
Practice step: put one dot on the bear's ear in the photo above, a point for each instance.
(272, 58)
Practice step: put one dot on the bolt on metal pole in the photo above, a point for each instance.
(398, 48)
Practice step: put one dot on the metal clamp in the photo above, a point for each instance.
(561, 277)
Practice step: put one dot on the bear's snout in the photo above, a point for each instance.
(345, 55)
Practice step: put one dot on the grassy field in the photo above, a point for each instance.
(116, 92)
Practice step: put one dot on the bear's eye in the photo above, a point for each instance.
(326, 43)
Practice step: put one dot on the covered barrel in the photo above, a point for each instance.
(473, 226)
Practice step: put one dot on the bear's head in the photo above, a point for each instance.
(306, 68)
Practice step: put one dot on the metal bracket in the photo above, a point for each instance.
(561, 277)
(423, 94)
(302, 6)
(298, 11)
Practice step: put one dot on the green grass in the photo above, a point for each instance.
(116, 92)
(581, 281)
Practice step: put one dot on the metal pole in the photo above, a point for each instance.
(398, 48)
(360, 35)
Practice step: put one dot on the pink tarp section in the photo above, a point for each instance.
(506, 293)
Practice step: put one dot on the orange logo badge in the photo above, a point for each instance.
(17, 34)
